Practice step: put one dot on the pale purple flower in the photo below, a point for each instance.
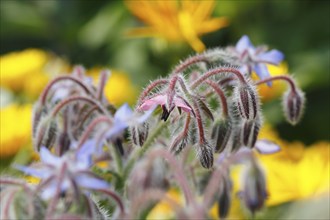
(255, 58)
(125, 117)
(70, 171)
(266, 147)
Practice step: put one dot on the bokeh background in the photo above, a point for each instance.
(42, 38)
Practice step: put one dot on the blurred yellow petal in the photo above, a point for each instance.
(119, 89)
(176, 21)
(163, 210)
(189, 33)
(15, 129)
(16, 67)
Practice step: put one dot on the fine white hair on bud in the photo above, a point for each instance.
(139, 133)
(221, 134)
(205, 155)
(293, 105)
(247, 101)
(250, 131)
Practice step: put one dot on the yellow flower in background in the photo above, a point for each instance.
(176, 21)
(28, 71)
(15, 128)
(163, 210)
(119, 88)
(297, 172)
(278, 86)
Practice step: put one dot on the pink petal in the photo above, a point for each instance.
(180, 103)
(149, 103)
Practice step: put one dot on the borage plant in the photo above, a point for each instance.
(101, 162)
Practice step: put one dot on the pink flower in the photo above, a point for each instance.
(167, 107)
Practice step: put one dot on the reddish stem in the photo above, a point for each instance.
(221, 95)
(63, 103)
(188, 62)
(149, 88)
(288, 79)
(220, 70)
(90, 128)
(43, 96)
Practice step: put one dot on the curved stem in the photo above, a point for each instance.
(90, 128)
(149, 195)
(221, 95)
(115, 197)
(221, 70)
(288, 79)
(102, 83)
(43, 96)
(149, 88)
(188, 62)
(63, 103)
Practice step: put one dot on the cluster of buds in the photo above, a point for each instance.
(235, 119)
(209, 101)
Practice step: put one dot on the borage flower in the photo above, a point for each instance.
(255, 58)
(60, 174)
(167, 106)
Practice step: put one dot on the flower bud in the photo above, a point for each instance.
(250, 132)
(224, 199)
(221, 134)
(179, 143)
(293, 105)
(45, 133)
(205, 155)
(247, 101)
(254, 193)
(139, 133)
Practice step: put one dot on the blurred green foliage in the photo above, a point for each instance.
(92, 33)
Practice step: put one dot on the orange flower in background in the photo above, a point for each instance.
(176, 21)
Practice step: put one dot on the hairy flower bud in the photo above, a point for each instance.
(293, 105)
(254, 193)
(139, 133)
(250, 131)
(221, 134)
(45, 133)
(224, 199)
(205, 155)
(247, 101)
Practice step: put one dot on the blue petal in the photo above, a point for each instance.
(262, 71)
(243, 44)
(84, 154)
(123, 113)
(146, 115)
(267, 147)
(48, 158)
(116, 130)
(91, 183)
(272, 57)
(42, 173)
